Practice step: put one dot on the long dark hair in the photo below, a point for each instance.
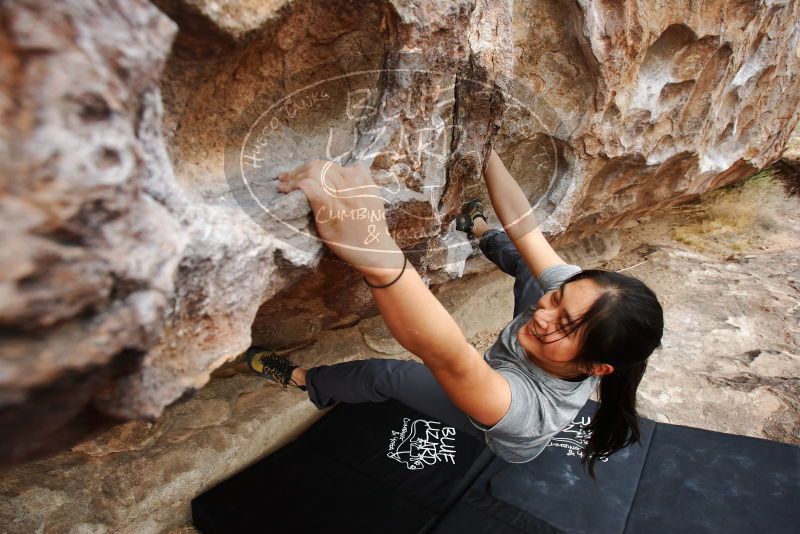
(621, 328)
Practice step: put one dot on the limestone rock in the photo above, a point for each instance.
(145, 245)
(89, 255)
(792, 150)
(593, 250)
(653, 103)
(789, 164)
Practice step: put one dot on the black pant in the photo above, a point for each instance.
(410, 382)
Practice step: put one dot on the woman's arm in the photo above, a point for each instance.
(516, 215)
(412, 313)
(420, 323)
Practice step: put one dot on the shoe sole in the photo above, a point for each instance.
(251, 355)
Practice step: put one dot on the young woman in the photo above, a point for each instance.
(572, 330)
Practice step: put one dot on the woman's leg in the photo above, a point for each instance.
(498, 247)
(377, 380)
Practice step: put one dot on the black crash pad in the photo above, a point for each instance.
(679, 479)
(703, 482)
(477, 512)
(555, 485)
(360, 468)
(386, 468)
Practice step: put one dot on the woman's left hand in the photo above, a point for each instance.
(348, 213)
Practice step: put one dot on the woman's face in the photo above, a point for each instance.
(547, 337)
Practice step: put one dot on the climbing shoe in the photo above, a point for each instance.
(469, 212)
(272, 366)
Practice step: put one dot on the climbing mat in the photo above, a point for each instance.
(390, 469)
(377, 468)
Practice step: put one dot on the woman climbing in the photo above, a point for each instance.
(573, 330)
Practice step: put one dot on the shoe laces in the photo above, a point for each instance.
(277, 368)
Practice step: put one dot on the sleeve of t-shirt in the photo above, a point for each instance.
(523, 417)
(554, 276)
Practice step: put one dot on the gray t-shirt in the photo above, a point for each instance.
(541, 404)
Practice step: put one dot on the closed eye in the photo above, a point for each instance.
(563, 326)
(557, 296)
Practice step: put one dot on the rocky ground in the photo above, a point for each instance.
(727, 272)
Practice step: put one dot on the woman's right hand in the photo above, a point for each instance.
(348, 213)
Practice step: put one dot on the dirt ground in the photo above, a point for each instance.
(727, 271)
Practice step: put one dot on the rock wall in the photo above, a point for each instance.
(789, 164)
(145, 245)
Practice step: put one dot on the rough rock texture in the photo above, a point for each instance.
(792, 150)
(133, 265)
(126, 283)
(733, 361)
(89, 252)
(681, 99)
(730, 356)
(789, 164)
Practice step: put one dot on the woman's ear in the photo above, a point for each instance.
(601, 369)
